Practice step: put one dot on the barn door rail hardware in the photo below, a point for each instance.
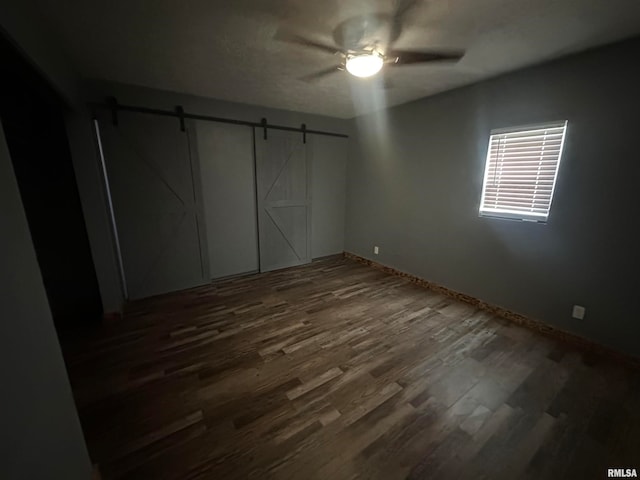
(115, 107)
(180, 113)
(112, 103)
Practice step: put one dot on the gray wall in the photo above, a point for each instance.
(328, 194)
(415, 179)
(329, 154)
(41, 435)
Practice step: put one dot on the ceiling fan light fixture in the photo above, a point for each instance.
(364, 65)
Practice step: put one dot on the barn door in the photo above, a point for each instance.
(283, 201)
(227, 166)
(151, 180)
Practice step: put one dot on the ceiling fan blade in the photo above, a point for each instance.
(321, 74)
(290, 37)
(396, 22)
(408, 57)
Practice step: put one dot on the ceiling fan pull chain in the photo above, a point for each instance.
(303, 127)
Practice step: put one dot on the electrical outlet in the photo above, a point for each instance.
(578, 312)
(376, 250)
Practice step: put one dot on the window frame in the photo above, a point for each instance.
(522, 216)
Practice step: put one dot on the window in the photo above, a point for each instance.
(521, 170)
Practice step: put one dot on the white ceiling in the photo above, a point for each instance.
(226, 49)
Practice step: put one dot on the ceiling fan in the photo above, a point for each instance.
(367, 45)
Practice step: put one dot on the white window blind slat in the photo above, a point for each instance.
(521, 171)
(526, 141)
(524, 147)
(551, 134)
(542, 162)
(517, 198)
(529, 152)
(522, 179)
(525, 154)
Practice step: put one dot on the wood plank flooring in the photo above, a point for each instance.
(335, 370)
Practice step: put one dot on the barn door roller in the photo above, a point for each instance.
(180, 112)
(113, 105)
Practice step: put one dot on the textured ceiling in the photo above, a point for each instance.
(227, 50)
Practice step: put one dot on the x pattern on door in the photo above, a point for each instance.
(284, 204)
(150, 177)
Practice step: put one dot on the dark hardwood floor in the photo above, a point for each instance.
(338, 371)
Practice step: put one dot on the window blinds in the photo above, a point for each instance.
(521, 170)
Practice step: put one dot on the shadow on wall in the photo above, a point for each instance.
(32, 118)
